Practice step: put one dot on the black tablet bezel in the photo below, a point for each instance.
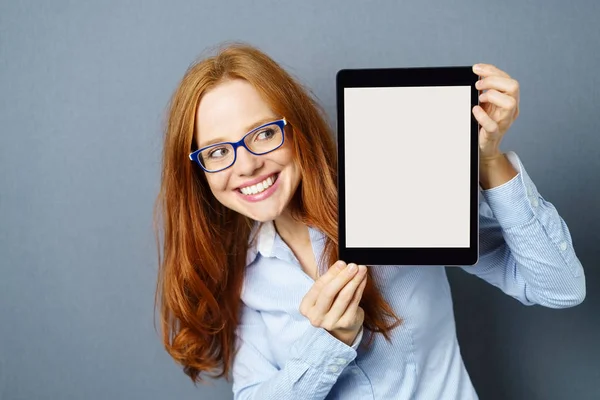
(409, 77)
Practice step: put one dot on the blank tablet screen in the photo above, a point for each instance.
(409, 148)
(408, 166)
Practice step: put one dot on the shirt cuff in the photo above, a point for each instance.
(513, 203)
(321, 350)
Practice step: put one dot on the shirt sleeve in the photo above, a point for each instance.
(525, 246)
(316, 361)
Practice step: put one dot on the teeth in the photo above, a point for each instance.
(259, 187)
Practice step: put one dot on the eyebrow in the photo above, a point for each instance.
(248, 128)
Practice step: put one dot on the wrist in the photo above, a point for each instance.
(345, 336)
(495, 170)
(492, 158)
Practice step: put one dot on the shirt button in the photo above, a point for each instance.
(340, 361)
(535, 202)
(563, 246)
(355, 371)
(334, 368)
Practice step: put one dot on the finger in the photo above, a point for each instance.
(488, 69)
(345, 297)
(353, 309)
(330, 291)
(310, 298)
(484, 120)
(357, 296)
(501, 100)
(500, 83)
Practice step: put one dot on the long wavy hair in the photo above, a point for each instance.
(204, 244)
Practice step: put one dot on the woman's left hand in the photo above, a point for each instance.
(498, 109)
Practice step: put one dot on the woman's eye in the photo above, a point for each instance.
(265, 135)
(218, 153)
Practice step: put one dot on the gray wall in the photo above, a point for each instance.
(83, 88)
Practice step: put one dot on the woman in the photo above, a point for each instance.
(249, 215)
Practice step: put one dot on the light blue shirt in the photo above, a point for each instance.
(525, 250)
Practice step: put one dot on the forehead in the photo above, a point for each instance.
(228, 110)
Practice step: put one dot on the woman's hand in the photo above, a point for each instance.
(332, 301)
(499, 107)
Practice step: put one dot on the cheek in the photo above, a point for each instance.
(286, 157)
(217, 183)
(286, 160)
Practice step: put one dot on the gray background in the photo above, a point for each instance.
(83, 90)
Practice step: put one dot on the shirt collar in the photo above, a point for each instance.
(265, 241)
(262, 239)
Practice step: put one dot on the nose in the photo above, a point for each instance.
(246, 163)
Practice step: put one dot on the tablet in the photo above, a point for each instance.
(408, 166)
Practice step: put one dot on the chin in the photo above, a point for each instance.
(261, 215)
(263, 218)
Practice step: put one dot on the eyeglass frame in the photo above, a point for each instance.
(281, 123)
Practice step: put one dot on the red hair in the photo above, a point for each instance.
(201, 269)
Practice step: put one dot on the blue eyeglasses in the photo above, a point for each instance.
(262, 140)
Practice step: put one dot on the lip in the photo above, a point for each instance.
(262, 195)
(255, 181)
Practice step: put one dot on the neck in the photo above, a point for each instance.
(291, 230)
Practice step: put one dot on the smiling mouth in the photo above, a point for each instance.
(259, 187)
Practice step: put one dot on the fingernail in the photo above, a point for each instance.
(340, 265)
(352, 267)
(477, 67)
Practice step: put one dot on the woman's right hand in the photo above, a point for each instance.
(332, 301)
